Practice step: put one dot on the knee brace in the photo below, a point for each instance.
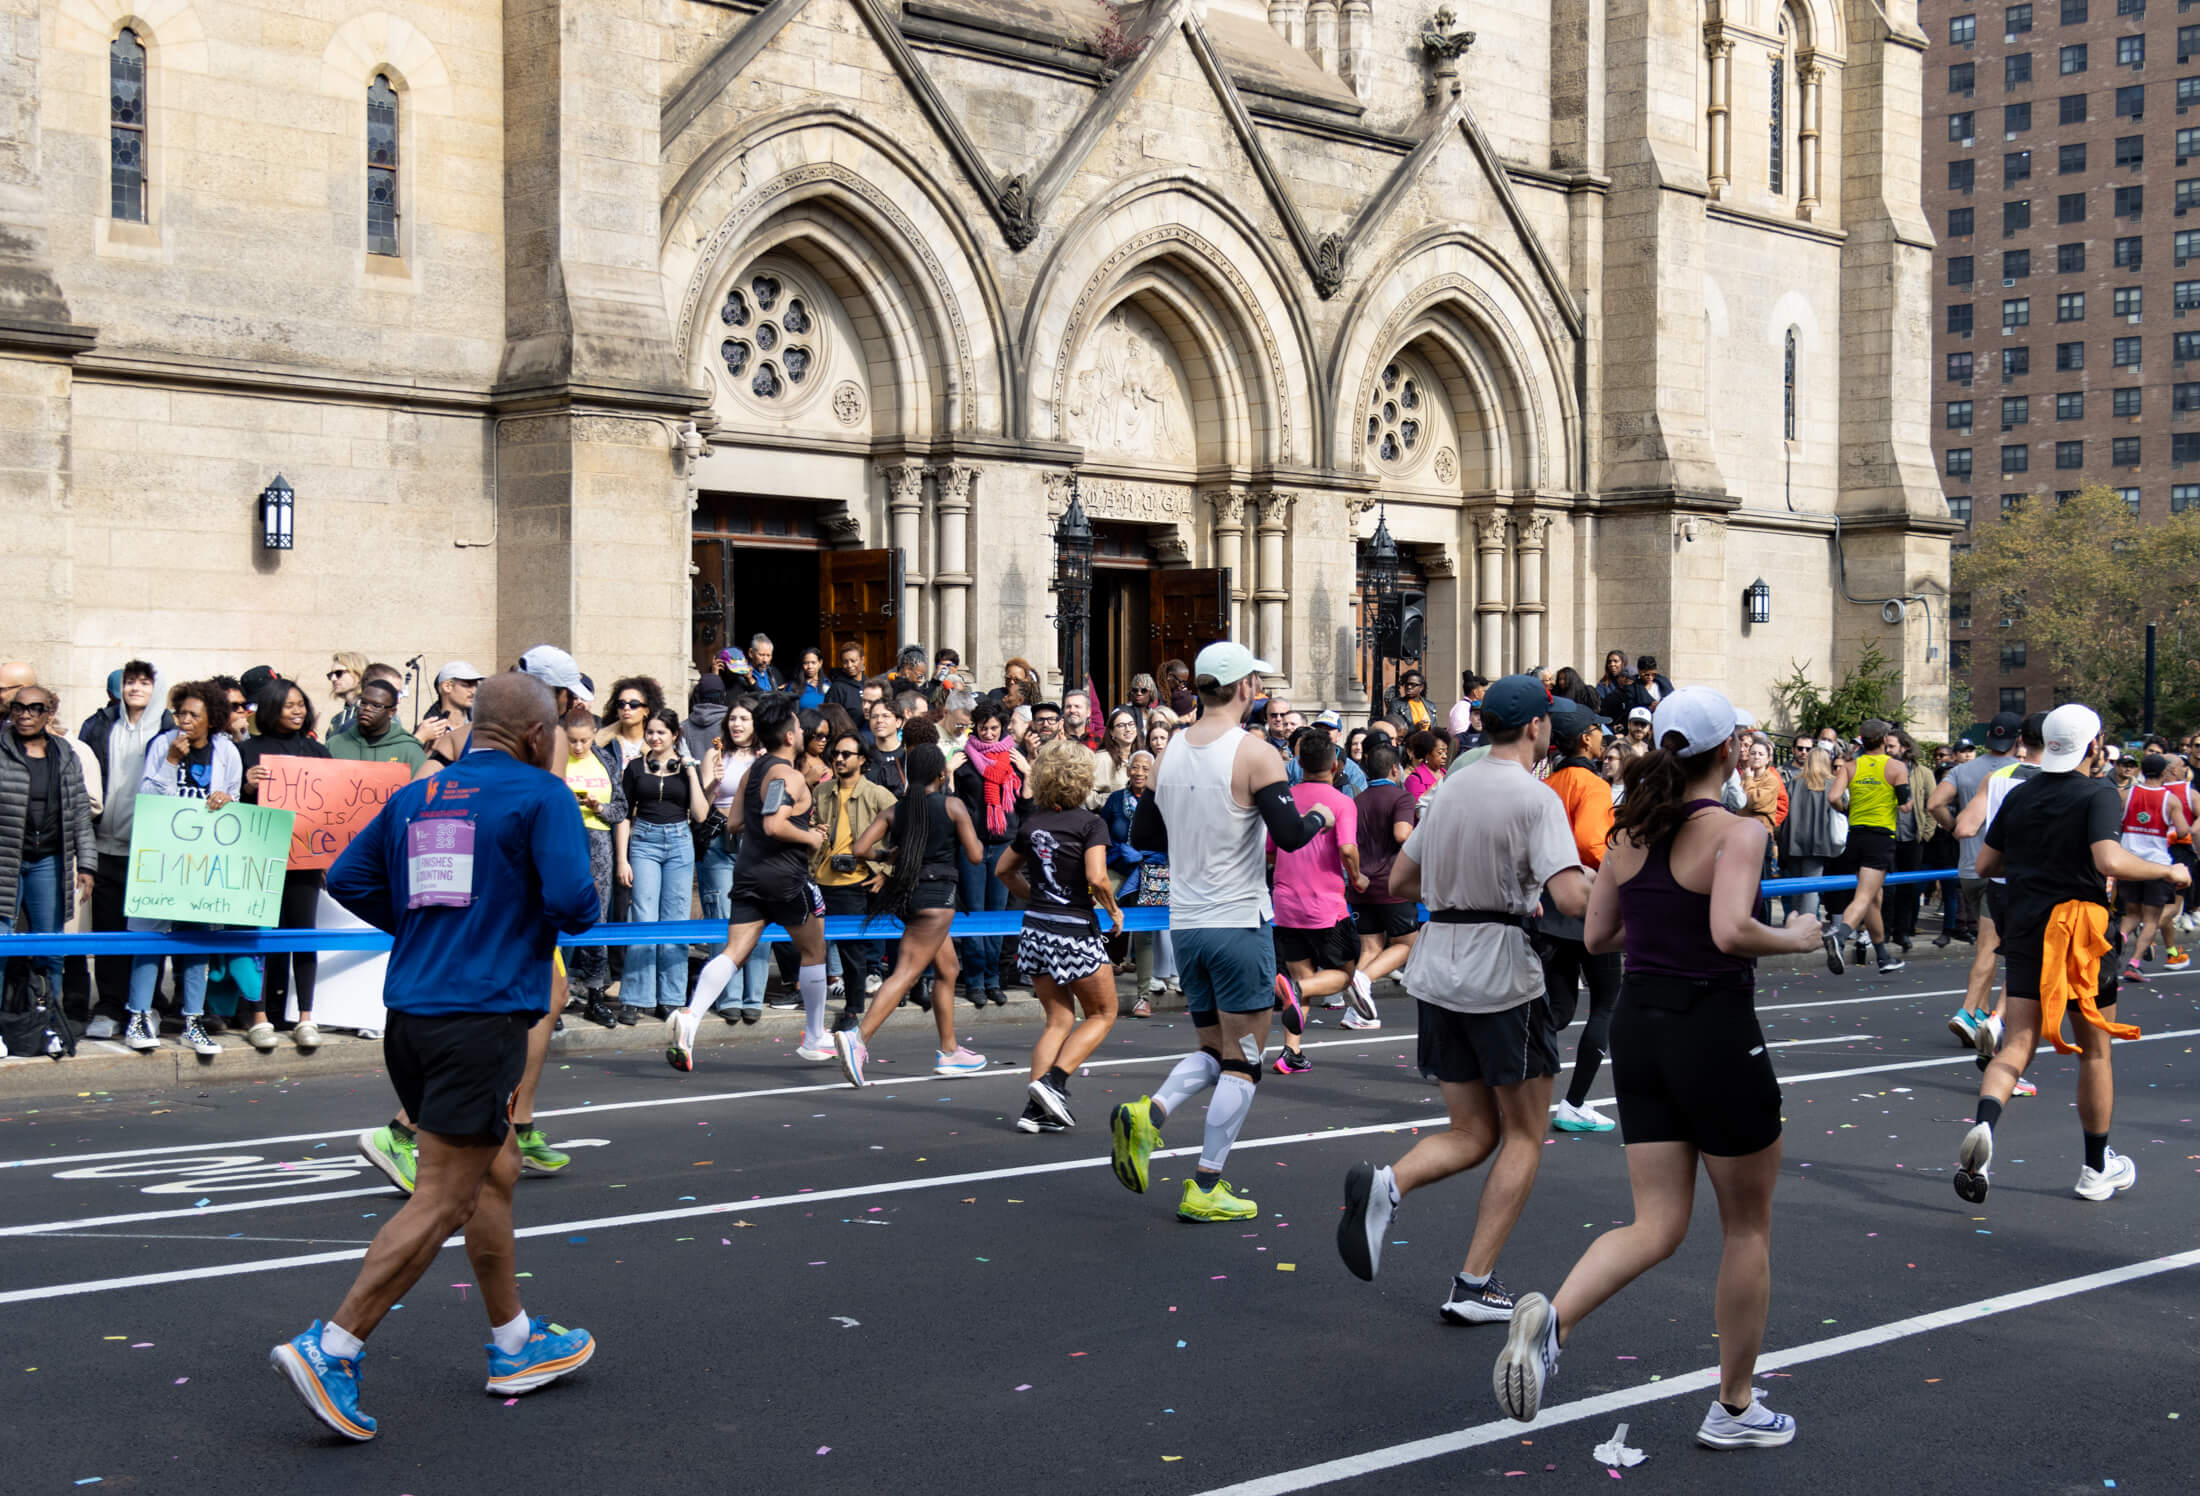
(1213, 1054)
(1250, 1069)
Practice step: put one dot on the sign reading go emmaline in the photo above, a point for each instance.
(207, 867)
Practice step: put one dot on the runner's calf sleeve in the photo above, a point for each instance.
(1226, 1113)
(711, 981)
(1192, 1075)
(811, 982)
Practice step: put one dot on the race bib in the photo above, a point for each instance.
(439, 863)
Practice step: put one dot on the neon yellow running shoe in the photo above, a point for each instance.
(395, 1153)
(1134, 1138)
(537, 1154)
(1217, 1204)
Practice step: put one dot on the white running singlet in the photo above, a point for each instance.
(1217, 847)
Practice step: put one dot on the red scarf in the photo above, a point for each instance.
(1002, 783)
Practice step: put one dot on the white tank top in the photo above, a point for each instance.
(1998, 786)
(1217, 847)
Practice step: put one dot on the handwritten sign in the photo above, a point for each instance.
(206, 867)
(331, 798)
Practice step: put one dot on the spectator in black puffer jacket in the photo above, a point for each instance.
(47, 851)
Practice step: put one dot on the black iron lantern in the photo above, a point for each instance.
(1757, 602)
(1073, 546)
(275, 515)
(1381, 563)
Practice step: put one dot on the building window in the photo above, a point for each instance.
(1959, 507)
(773, 334)
(2073, 59)
(2139, 7)
(2070, 306)
(2131, 51)
(2012, 699)
(2017, 312)
(2123, 451)
(1962, 77)
(2073, 12)
(2184, 446)
(2131, 150)
(2124, 353)
(2188, 42)
(2184, 296)
(2016, 264)
(2130, 496)
(2009, 503)
(2188, 144)
(1787, 384)
(1962, 128)
(2069, 258)
(2012, 657)
(2069, 159)
(2070, 406)
(1959, 415)
(2015, 362)
(2131, 101)
(1961, 175)
(2016, 217)
(381, 167)
(1777, 171)
(2124, 301)
(1959, 610)
(2129, 253)
(1959, 223)
(2130, 201)
(1959, 317)
(2183, 497)
(1959, 462)
(2016, 20)
(2124, 403)
(2016, 167)
(2187, 193)
(2016, 458)
(1962, 30)
(2069, 455)
(2184, 396)
(2016, 410)
(1959, 270)
(1959, 367)
(2070, 356)
(2016, 70)
(2184, 346)
(126, 127)
(2073, 109)
(2070, 208)
(2188, 92)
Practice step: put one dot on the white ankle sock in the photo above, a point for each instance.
(338, 1341)
(712, 979)
(511, 1336)
(811, 982)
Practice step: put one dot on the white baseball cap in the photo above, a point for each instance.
(557, 670)
(458, 670)
(2069, 731)
(1226, 662)
(1702, 717)
(1641, 714)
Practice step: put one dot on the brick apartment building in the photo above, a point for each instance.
(2062, 154)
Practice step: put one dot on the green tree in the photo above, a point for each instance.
(2079, 581)
(1869, 689)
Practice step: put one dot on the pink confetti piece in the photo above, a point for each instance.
(181, 1380)
(824, 1449)
(511, 1402)
(1026, 1387)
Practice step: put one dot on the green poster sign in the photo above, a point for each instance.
(206, 867)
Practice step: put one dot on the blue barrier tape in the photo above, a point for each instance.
(838, 927)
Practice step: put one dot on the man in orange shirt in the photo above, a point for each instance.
(1577, 742)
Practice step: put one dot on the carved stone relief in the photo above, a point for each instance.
(1144, 503)
(1125, 394)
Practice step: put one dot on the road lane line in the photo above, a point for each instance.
(1505, 1430)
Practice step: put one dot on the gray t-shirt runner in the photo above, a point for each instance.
(1967, 778)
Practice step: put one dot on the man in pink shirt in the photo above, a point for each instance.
(1317, 944)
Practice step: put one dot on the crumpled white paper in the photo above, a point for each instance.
(1614, 1451)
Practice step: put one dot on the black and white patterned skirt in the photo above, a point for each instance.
(1065, 956)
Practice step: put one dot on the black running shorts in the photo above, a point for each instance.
(1872, 847)
(2023, 970)
(1689, 1066)
(2154, 893)
(455, 1073)
(786, 903)
(1327, 947)
(1496, 1049)
(1390, 921)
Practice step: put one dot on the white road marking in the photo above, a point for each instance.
(853, 1192)
(1505, 1430)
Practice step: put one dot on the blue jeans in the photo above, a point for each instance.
(39, 893)
(982, 889)
(663, 860)
(190, 978)
(714, 887)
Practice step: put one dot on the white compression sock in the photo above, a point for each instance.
(711, 980)
(811, 981)
(1233, 1101)
(1192, 1075)
(511, 1337)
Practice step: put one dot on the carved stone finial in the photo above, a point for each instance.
(1018, 226)
(1329, 265)
(1442, 44)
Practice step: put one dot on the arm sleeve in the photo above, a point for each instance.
(1902, 793)
(360, 880)
(1280, 814)
(1149, 833)
(560, 846)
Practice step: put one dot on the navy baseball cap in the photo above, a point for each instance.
(2003, 730)
(1515, 701)
(1570, 718)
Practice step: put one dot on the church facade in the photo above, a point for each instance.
(642, 326)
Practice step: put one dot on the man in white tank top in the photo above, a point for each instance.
(1218, 794)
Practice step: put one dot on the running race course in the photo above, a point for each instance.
(797, 1287)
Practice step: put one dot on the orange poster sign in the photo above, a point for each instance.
(331, 799)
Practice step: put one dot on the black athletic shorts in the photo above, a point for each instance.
(2022, 976)
(1872, 847)
(1497, 1049)
(933, 893)
(2154, 893)
(1390, 921)
(455, 1073)
(786, 904)
(1328, 947)
(1689, 1066)
(2181, 854)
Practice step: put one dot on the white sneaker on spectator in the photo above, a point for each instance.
(198, 1040)
(1156, 987)
(101, 1027)
(872, 982)
(141, 1035)
(307, 1036)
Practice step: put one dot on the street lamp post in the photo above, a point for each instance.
(1379, 635)
(1073, 544)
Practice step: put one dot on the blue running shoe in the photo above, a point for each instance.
(550, 1352)
(328, 1384)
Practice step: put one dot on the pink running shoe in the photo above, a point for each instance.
(961, 1062)
(1287, 998)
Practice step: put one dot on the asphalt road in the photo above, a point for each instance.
(799, 1287)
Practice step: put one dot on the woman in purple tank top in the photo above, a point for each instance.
(1678, 893)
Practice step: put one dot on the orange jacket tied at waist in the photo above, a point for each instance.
(2070, 972)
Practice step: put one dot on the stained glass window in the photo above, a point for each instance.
(381, 167)
(126, 127)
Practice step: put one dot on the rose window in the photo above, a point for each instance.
(1397, 426)
(770, 350)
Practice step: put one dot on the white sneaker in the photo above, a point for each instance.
(201, 1043)
(1368, 1207)
(101, 1027)
(1530, 1357)
(307, 1036)
(1571, 1118)
(817, 1056)
(261, 1036)
(872, 982)
(1758, 1427)
(2098, 1184)
(849, 1049)
(1156, 987)
(1975, 1161)
(1986, 1036)
(1355, 1021)
(960, 1061)
(141, 1035)
(1361, 993)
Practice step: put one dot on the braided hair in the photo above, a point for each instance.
(909, 834)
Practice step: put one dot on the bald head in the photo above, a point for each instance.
(14, 676)
(518, 714)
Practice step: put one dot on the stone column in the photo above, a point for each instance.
(1356, 47)
(1275, 515)
(1809, 75)
(1444, 649)
(1489, 601)
(1288, 17)
(1528, 591)
(905, 530)
(952, 582)
(1321, 33)
(1230, 551)
(1721, 109)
